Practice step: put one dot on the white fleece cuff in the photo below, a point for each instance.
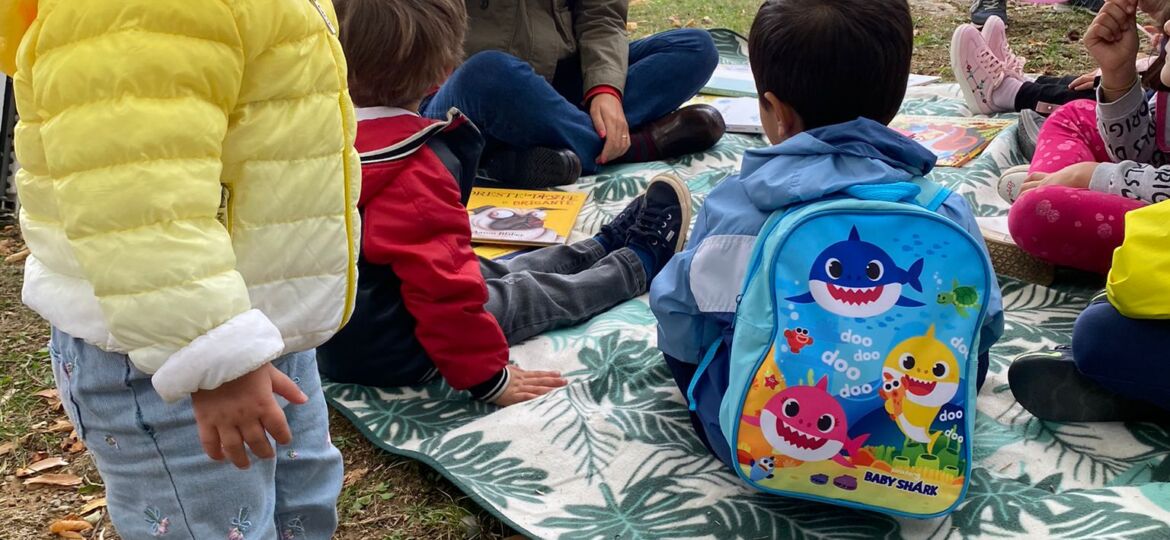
(225, 353)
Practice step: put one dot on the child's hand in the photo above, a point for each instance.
(1112, 40)
(1074, 176)
(525, 385)
(245, 411)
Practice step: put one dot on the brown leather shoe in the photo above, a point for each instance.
(688, 130)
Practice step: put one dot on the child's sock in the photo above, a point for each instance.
(607, 243)
(642, 148)
(1004, 97)
(648, 262)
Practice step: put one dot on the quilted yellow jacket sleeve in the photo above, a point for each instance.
(130, 101)
(1139, 282)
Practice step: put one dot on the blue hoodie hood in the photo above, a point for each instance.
(829, 159)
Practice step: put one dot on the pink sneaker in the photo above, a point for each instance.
(995, 34)
(986, 83)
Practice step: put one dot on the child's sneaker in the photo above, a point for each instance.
(1011, 181)
(1049, 385)
(987, 85)
(982, 10)
(660, 230)
(995, 34)
(1028, 131)
(613, 234)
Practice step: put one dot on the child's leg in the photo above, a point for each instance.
(1126, 356)
(568, 259)
(1069, 137)
(308, 471)
(1049, 91)
(528, 303)
(158, 480)
(1070, 227)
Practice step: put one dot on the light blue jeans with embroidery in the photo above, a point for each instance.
(159, 483)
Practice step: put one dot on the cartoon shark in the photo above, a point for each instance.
(929, 373)
(806, 423)
(855, 278)
(760, 469)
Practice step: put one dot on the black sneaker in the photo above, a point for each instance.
(1049, 385)
(532, 168)
(660, 229)
(981, 10)
(614, 233)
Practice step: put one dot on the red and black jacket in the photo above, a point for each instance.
(420, 299)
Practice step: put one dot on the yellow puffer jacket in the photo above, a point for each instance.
(1139, 283)
(189, 185)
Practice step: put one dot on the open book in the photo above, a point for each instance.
(955, 140)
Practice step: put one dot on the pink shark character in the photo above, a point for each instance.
(806, 423)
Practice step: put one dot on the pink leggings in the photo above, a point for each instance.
(1066, 226)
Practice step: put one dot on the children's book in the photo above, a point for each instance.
(494, 252)
(522, 218)
(919, 80)
(955, 140)
(731, 80)
(740, 114)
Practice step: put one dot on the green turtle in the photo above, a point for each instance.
(962, 297)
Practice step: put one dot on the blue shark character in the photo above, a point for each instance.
(855, 278)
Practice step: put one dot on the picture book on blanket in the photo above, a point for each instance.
(736, 80)
(740, 114)
(522, 218)
(494, 252)
(954, 140)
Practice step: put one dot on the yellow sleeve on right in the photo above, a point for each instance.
(1139, 282)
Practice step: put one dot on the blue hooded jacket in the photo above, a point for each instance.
(694, 298)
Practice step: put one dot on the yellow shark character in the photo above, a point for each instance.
(929, 373)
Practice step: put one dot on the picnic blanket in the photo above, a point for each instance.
(613, 454)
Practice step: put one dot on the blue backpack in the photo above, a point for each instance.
(853, 364)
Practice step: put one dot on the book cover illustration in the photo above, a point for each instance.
(731, 81)
(955, 140)
(521, 217)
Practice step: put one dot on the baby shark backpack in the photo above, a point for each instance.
(853, 364)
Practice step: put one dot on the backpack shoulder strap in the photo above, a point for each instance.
(932, 196)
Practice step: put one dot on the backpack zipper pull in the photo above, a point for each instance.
(324, 17)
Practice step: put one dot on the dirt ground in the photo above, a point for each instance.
(385, 497)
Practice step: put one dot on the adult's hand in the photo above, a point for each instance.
(609, 119)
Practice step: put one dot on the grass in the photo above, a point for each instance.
(387, 497)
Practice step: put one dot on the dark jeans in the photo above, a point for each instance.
(1050, 90)
(1126, 356)
(515, 107)
(559, 286)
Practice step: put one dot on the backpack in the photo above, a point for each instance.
(851, 373)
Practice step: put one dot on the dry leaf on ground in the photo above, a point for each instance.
(93, 505)
(353, 476)
(674, 22)
(40, 466)
(48, 393)
(631, 27)
(59, 480)
(7, 448)
(19, 256)
(69, 528)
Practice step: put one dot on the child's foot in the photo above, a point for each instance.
(660, 230)
(532, 168)
(1011, 181)
(981, 10)
(995, 34)
(987, 84)
(1048, 385)
(613, 234)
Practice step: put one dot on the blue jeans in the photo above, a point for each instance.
(1126, 356)
(515, 107)
(158, 480)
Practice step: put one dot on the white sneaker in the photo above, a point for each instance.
(1011, 181)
